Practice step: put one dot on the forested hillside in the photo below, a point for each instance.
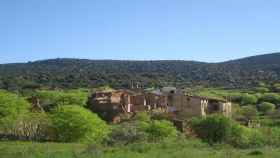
(77, 73)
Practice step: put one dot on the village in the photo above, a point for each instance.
(177, 104)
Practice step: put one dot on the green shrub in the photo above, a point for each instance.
(271, 135)
(262, 89)
(212, 129)
(159, 115)
(239, 136)
(77, 124)
(256, 138)
(266, 107)
(255, 153)
(11, 106)
(219, 129)
(52, 99)
(32, 126)
(276, 87)
(142, 116)
(249, 112)
(158, 130)
(271, 98)
(248, 99)
(127, 133)
(236, 97)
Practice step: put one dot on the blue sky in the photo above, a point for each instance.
(203, 30)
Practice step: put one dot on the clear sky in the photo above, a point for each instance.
(203, 30)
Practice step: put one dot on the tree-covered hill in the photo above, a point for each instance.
(74, 73)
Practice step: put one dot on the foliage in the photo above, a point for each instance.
(266, 107)
(248, 99)
(158, 130)
(249, 112)
(212, 129)
(31, 126)
(74, 73)
(53, 98)
(127, 133)
(276, 87)
(271, 98)
(77, 124)
(11, 105)
(271, 135)
(262, 89)
(142, 129)
(142, 116)
(219, 129)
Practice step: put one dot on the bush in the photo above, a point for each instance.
(249, 112)
(248, 99)
(255, 153)
(276, 87)
(126, 133)
(266, 107)
(159, 130)
(31, 126)
(11, 106)
(219, 129)
(142, 129)
(160, 115)
(239, 136)
(271, 98)
(272, 136)
(52, 99)
(142, 116)
(77, 124)
(212, 129)
(236, 97)
(262, 89)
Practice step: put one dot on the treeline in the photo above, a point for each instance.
(75, 73)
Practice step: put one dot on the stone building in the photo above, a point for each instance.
(110, 105)
(186, 106)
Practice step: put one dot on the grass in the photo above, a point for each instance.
(186, 149)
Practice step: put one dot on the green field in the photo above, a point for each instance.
(187, 149)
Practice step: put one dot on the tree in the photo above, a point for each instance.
(219, 129)
(11, 105)
(142, 116)
(271, 98)
(248, 99)
(266, 107)
(32, 126)
(276, 87)
(77, 124)
(127, 132)
(51, 99)
(262, 89)
(212, 129)
(249, 112)
(158, 130)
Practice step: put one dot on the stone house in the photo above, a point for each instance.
(186, 106)
(110, 105)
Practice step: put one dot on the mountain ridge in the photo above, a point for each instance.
(75, 73)
(51, 59)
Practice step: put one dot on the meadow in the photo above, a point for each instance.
(186, 149)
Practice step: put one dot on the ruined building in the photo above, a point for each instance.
(111, 104)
